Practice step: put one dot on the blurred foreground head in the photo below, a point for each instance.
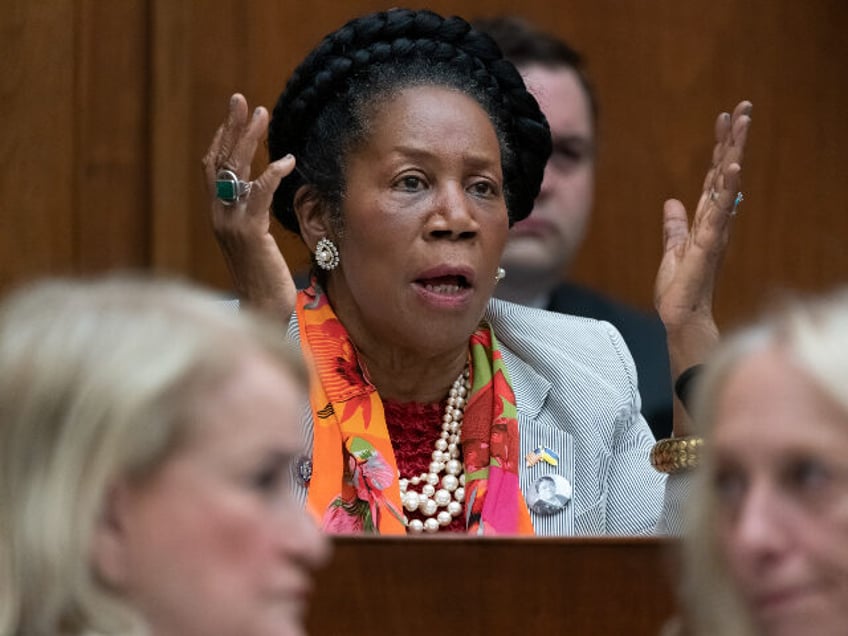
(146, 436)
(768, 550)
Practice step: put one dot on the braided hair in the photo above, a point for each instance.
(328, 103)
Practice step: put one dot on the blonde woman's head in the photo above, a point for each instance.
(768, 543)
(144, 427)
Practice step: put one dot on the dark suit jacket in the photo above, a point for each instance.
(645, 337)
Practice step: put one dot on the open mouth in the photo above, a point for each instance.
(448, 285)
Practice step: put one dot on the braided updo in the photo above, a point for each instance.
(327, 105)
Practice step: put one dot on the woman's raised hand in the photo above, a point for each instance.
(692, 256)
(683, 292)
(260, 274)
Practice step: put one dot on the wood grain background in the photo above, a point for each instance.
(109, 106)
(507, 585)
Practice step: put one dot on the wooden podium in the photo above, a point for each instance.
(431, 586)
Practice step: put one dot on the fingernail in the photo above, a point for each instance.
(725, 116)
(257, 111)
(233, 100)
(289, 156)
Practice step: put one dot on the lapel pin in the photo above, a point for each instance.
(532, 459)
(547, 455)
(550, 494)
(542, 454)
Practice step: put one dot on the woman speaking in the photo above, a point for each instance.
(402, 149)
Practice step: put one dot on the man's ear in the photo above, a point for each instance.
(312, 216)
(110, 543)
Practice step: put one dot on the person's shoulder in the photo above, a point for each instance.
(643, 331)
(531, 323)
(577, 372)
(645, 336)
(545, 338)
(570, 298)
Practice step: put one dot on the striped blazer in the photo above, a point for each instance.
(576, 393)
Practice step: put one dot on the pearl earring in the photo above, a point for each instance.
(326, 254)
(500, 274)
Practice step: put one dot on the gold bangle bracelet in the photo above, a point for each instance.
(676, 454)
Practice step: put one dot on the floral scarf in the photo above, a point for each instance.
(354, 484)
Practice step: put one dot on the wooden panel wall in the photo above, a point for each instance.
(74, 137)
(37, 139)
(108, 107)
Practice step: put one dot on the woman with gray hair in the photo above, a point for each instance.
(146, 436)
(767, 549)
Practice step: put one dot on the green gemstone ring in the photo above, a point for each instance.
(229, 188)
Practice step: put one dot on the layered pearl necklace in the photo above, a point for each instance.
(440, 497)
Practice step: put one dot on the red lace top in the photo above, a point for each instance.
(413, 429)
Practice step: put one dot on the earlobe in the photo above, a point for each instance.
(109, 549)
(312, 216)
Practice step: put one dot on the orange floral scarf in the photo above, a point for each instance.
(354, 484)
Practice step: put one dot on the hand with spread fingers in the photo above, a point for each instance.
(418, 147)
(692, 256)
(240, 211)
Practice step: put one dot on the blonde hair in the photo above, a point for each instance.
(97, 381)
(814, 335)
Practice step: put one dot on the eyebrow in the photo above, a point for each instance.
(469, 156)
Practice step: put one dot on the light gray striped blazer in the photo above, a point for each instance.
(576, 392)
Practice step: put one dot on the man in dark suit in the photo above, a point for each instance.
(541, 247)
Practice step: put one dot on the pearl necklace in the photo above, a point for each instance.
(440, 505)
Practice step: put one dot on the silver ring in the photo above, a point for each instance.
(739, 198)
(229, 189)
